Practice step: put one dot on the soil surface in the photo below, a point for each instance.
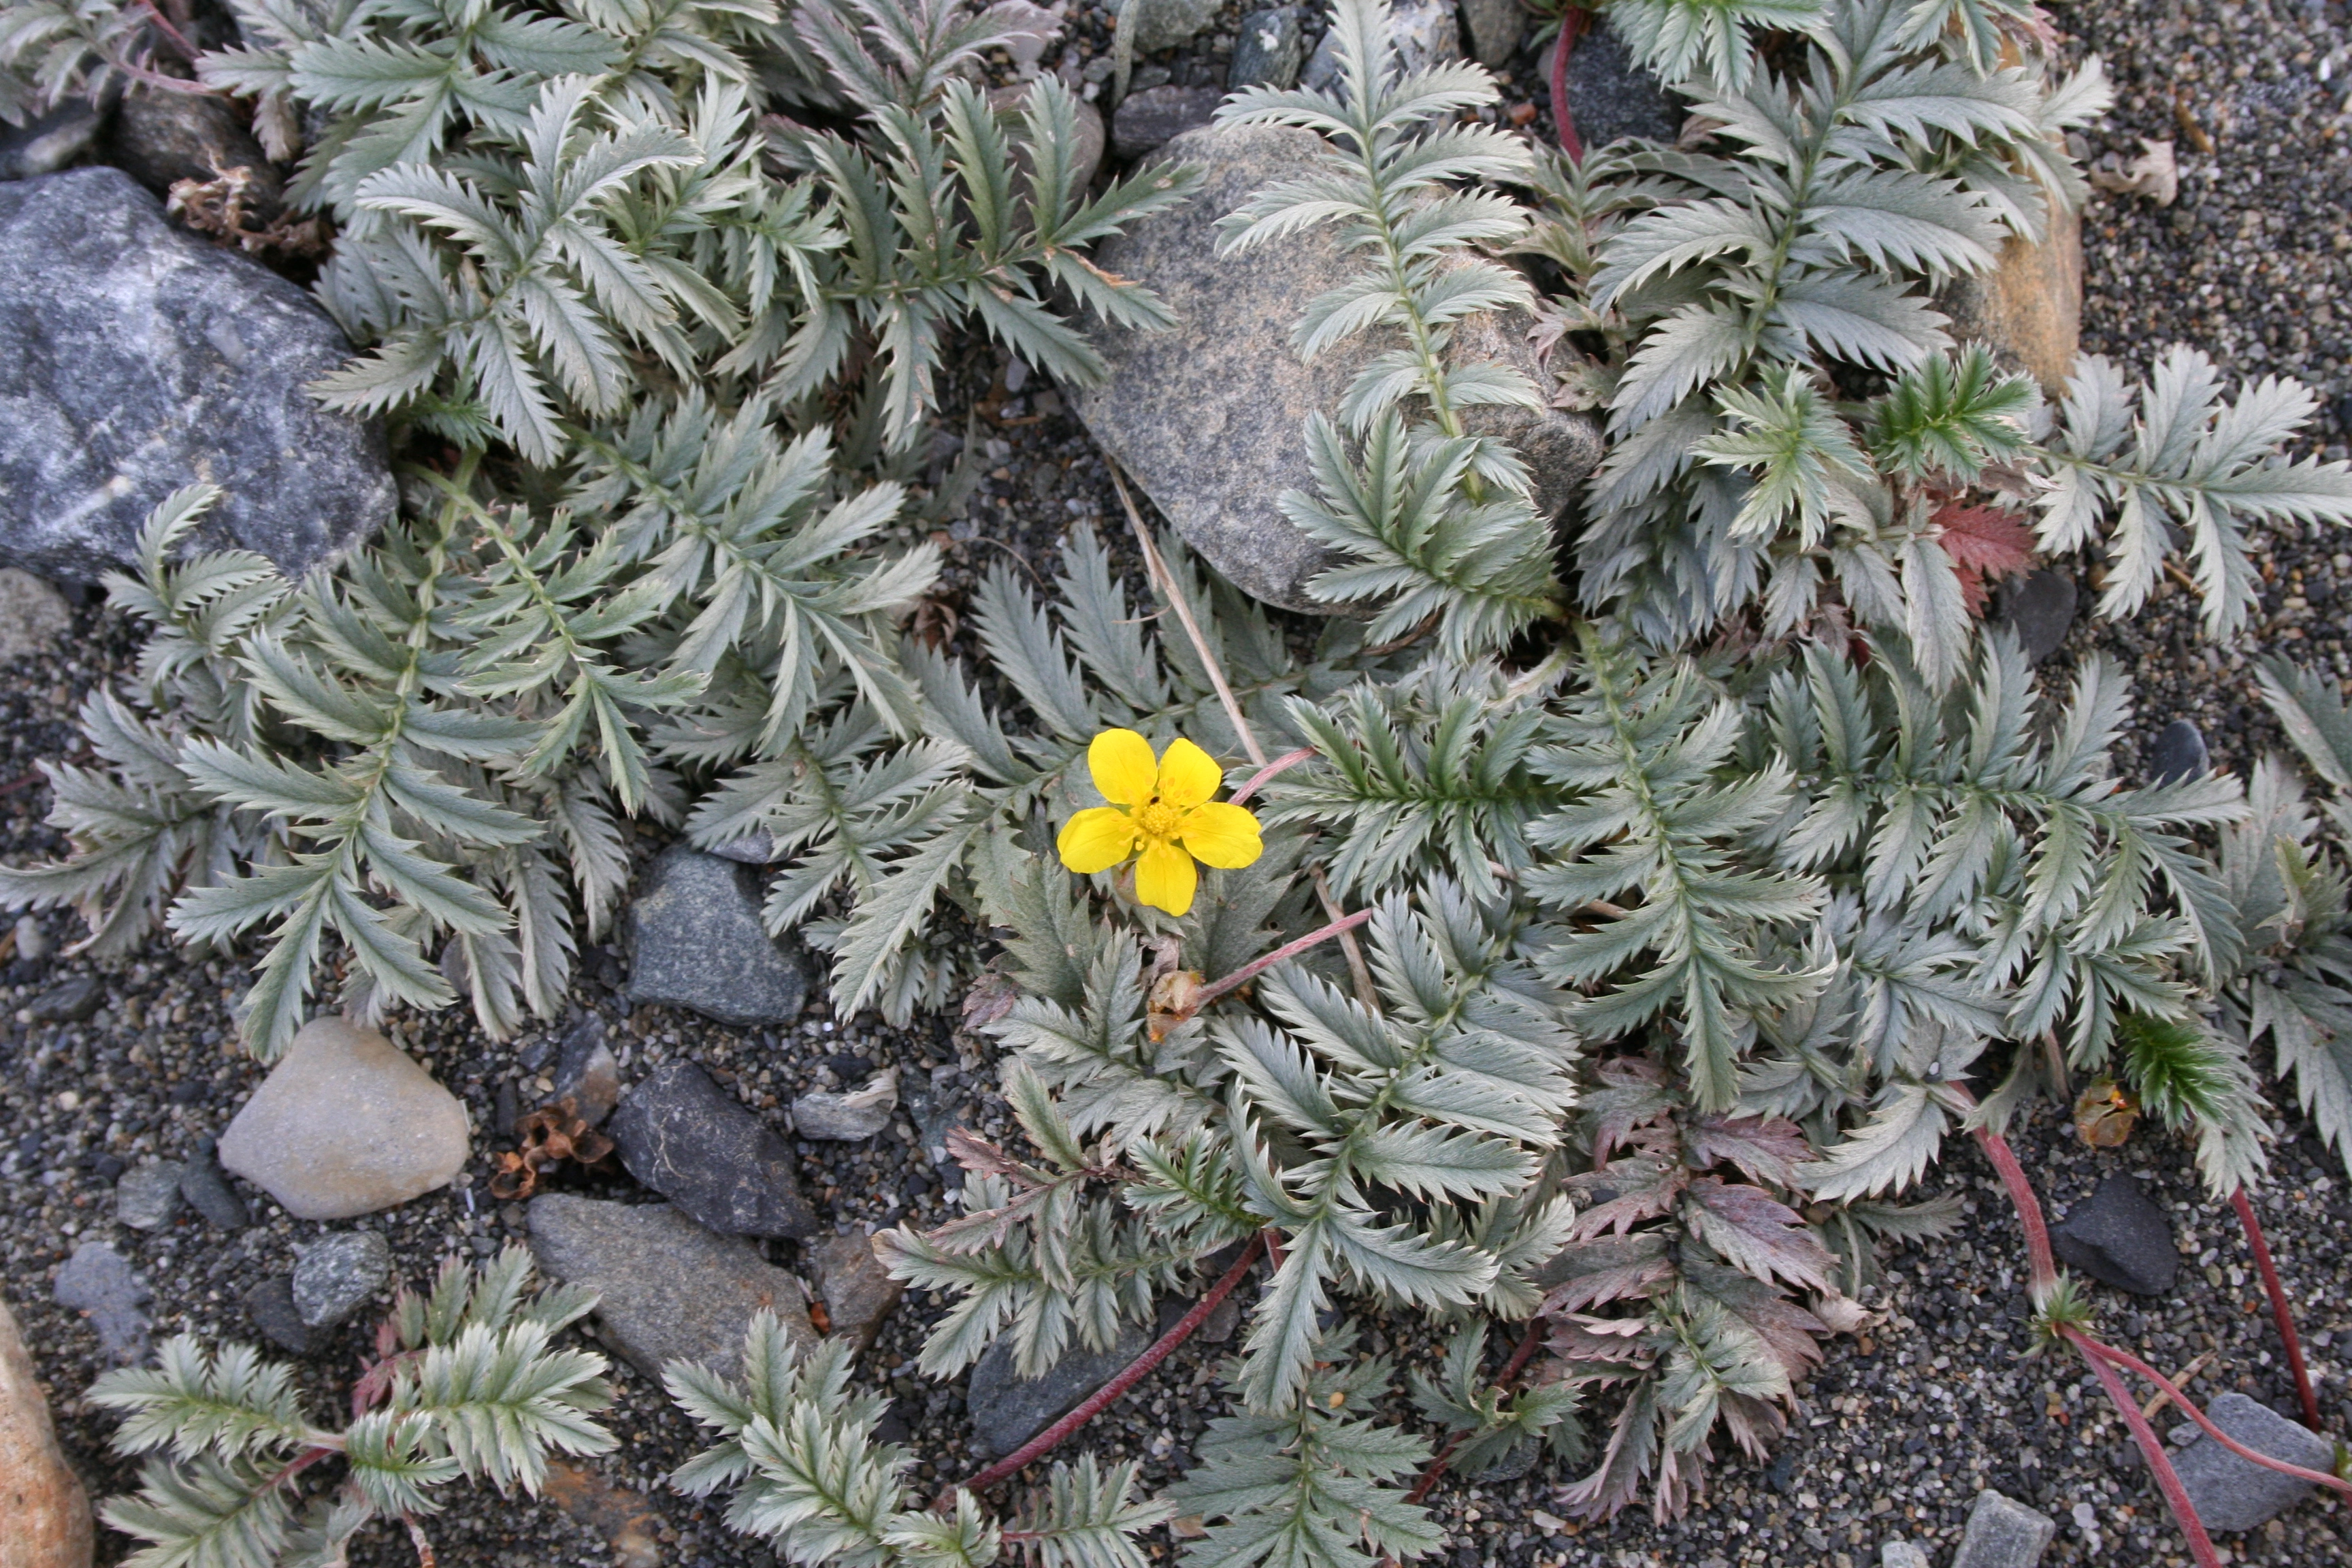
(1899, 1430)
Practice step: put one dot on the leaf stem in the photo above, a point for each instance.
(2132, 1364)
(2280, 1313)
(1133, 1373)
(1523, 1353)
(1572, 25)
(1287, 760)
(1257, 966)
(2167, 1479)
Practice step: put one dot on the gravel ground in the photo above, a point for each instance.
(1903, 1426)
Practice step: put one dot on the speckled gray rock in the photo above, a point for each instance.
(1495, 27)
(1210, 414)
(2003, 1533)
(206, 1188)
(668, 1290)
(690, 1140)
(98, 1283)
(700, 944)
(1164, 24)
(68, 1002)
(335, 1275)
(147, 1195)
(1425, 33)
(1610, 94)
(1007, 1410)
(1269, 48)
(587, 1074)
(134, 359)
(33, 614)
(2233, 1494)
(50, 142)
(2119, 1239)
(345, 1125)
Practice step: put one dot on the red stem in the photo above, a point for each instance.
(1572, 23)
(1511, 1370)
(1257, 966)
(2167, 1479)
(1287, 760)
(187, 50)
(2021, 1198)
(1135, 1371)
(2132, 1364)
(2279, 1312)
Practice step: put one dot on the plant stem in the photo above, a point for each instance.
(1257, 966)
(2167, 1479)
(1525, 1351)
(1287, 760)
(2279, 1313)
(2021, 1198)
(1133, 1373)
(2131, 1363)
(1572, 23)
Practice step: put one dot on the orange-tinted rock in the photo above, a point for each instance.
(45, 1520)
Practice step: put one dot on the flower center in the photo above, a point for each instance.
(1157, 821)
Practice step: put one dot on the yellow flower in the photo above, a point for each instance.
(1161, 810)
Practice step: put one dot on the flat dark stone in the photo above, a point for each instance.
(587, 1073)
(270, 1305)
(70, 1002)
(1008, 1410)
(50, 142)
(2003, 1533)
(2119, 1239)
(2177, 754)
(1148, 120)
(2039, 608)
(690, 1140)
(100, 1284)
(701, 944)
(1611, 95)
(206, 1188)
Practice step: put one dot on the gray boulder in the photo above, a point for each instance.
(2003, 1533)
(1209, 415)
(135, 359)
(33, 615)
(50, 142)
(98, 1283)
(1270, 47)
(700, 944)
(667, 1289)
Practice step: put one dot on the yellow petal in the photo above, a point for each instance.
(1121, 761)
(1096, 839)
(1188, 775)
(1221, 835)
(1165, 879)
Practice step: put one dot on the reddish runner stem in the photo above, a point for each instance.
(2138, 1368)
(1287, 760)
(1572, 23)
(1133, 1373)
(2021, 1198)
(2279, 1311)
(1257, 966)
(2167, 1479)
(1529, 1341)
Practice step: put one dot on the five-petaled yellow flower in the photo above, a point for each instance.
(1160, 808)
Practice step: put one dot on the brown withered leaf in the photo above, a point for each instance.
(1175, 997)
(1788, 1330)
(1581, 1337)
(1595, 1273)
(1632, 1094)
(550, 1135)
(1763, 1149)
(2153, 175)
(1756, 1232)
(1624, 1193)
(990, 997)
(2104, 1114)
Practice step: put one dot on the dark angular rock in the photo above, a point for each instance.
(51, 142)
(334, 1276)
(2039, 608)
(1007, 1410)
(1610, 94)
(2119, 1239)
(668, 1290)
(270, 1305)
(690, 1140)
(135, 359)
(2233, 1494)
(587, 1073)
(70, 1002)
(1208, 416)
(98, 1283)
(1147, 121)
(2178, 754)
(1270, 47)
(206, 1188)
(701, 944)
(162, 138)
(2003, 1533)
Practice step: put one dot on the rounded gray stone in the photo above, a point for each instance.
(136, 358)
(2233, 1494)
(147, 1195)
(334, 1276)
(1008, 1409)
